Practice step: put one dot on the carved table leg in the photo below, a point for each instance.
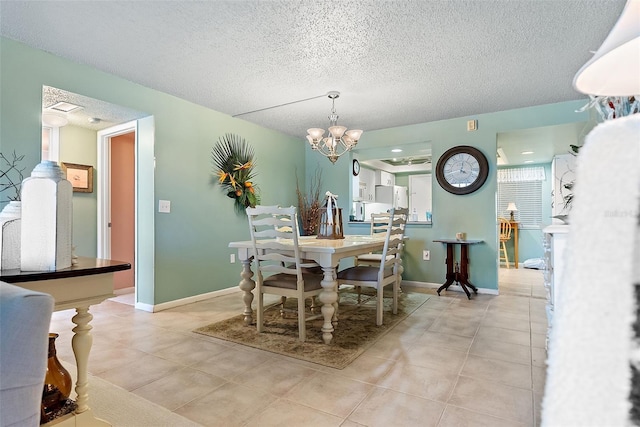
(81, 344)
(328, 297)
(247, 285)
(451, 275)
(464, 270)
(334, 319)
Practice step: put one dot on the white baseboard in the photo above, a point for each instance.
(183, 301)
(454, 287)
(144, 307)
(189, 300)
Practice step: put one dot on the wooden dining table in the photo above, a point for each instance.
(327, 253)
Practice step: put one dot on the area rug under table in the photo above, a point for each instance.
(356, 329)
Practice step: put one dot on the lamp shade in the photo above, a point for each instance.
(511, 207)
(614, 70)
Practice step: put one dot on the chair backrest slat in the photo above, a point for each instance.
(505, 228)
(394, 241)
(379, 222)
(274, 234)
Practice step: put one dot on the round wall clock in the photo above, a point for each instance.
(462, 169)
(356, 167)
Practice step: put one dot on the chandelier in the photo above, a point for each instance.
(339, 141)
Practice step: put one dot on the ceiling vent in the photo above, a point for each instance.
(65, 107)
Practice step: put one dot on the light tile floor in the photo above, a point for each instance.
(452, 362)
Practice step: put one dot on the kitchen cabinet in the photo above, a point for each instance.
(364, 186)
(384, 178)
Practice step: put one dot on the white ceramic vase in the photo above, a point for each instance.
(47, 213)
(10, 221)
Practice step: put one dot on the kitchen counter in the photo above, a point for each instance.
(368, 223)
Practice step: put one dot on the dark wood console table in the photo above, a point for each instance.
(458, 273)
(86, 283)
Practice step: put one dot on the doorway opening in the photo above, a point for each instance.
(125, 204)
(86, 136)
(116, 204)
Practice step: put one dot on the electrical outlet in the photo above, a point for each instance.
(232, 258)
(164, 206)
(426, 255)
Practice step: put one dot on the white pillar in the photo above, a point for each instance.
(47, 213)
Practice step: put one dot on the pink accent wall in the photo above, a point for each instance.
(123, 207)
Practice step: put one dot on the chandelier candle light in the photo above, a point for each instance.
(340, 139)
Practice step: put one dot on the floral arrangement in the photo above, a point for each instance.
(11, 175)
(309, 204)
(232, 157)
(612, 107)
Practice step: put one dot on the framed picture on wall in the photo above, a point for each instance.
(80, 176)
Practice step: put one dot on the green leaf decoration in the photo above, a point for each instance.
(232, 157)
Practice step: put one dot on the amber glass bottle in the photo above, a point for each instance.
(57, 384)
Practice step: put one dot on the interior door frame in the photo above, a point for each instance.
(144, 202)
(104, 184)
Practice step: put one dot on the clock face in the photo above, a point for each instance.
(356, 167)
(462, 170)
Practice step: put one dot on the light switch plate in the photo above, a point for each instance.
(164, 206)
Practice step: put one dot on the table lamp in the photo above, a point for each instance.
(511, 207)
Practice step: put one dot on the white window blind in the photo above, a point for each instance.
(534, 173)
(522, 186)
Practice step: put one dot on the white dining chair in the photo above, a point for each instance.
(379, 224)
(387, 272)
(505, 236)
(279, 266)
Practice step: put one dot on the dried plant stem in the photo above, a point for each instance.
(11, 175)
(309, 204)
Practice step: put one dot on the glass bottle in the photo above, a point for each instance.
(57, 384)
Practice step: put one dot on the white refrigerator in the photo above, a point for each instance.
(395, 195)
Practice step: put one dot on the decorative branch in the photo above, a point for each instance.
(309, 204)
(11, 175)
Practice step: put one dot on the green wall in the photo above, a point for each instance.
(475, 213)
(191, 253)
(78, 145)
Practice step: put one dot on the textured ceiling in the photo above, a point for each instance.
(395, 63)
(107, 114)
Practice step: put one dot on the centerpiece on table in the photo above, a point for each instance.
(330, 226)
(233, 160)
